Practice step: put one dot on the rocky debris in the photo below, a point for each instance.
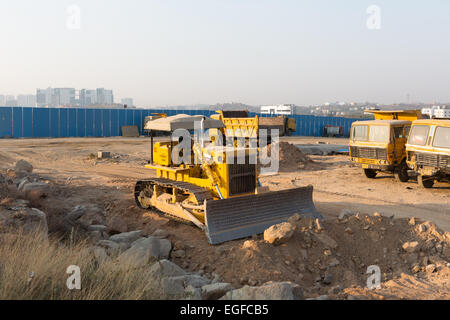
(126, 237)
(112, 248)
(318, 224)
(159, 233)
(178, 254)
(146, 250)
(326, 240)
(268, 291)
(165, 268)
(215, 291)
(411, 247)
(72, 220)
(172, 282)
(430, 268)
(4, 191)
(348, 231)
(345, 214)
(97, 227)
(322, 297)
(100, 254)
(20, 217)
(35, 190)
(23, 167)
(279, 233)
(116, 225)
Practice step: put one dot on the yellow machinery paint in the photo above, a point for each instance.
(379, 145)
(215, 187)
(429, 158)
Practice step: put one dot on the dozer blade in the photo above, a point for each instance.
(241, 217)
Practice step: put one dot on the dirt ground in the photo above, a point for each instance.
(78, 178)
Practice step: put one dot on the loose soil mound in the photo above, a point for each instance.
(335, 258)
(291, 158)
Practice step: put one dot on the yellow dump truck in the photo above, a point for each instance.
(238, 124)
(428, 151)
(379, 145)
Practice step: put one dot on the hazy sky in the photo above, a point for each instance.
(167, 52)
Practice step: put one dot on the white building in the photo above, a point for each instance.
(2, 100)
(105, 97)
(127, 101)
(44, 97)
(437, 112)
(10, 101)
(26, 100)
(88, 97)
(442, 113)
(278, 110)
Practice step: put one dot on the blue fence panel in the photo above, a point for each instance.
(98, 123)
(80, 123)
(17, 117)
(115, 131)
(89, 123)
(122, 120)
(106, 123)
(22, 122)
(27, 122)
(41, 123)
(54, 123)
(63, 123)
(6, 129)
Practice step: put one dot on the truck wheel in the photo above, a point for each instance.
(425, 181)
(370, 173)
(401, 173)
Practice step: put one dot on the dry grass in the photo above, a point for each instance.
(34, 268)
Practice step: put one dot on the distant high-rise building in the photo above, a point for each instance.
(104, 97)
(2, 100)
(127, 101)
(88, 97)
(26, 100)
(63, 97)
(55, 97)
(10, 101)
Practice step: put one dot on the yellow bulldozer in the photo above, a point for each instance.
(214, 187)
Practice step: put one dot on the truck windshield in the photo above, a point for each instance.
(379, 133)
(419, 135)
(360, 133)
(442, 137)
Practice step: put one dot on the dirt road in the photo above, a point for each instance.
(339, 185)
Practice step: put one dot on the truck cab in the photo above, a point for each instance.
(428, 151)
(379, 146)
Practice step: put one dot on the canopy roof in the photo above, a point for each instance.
(182, 121)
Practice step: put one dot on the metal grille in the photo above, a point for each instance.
(242, 177)
(368, 153)
(432, 159)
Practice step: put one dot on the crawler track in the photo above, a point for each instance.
(200, 193)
